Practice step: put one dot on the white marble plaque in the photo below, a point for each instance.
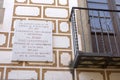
(33, 41)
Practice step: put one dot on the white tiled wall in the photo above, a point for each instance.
(57, 12)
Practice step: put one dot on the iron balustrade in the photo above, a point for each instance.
(104, 31)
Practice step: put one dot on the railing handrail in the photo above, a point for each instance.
(78, 8)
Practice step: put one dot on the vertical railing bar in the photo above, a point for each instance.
(116, 44)
(101, 31)
(118, 23)
(108, 33)
(74, 25)
(72, 19)
(81, 22)
(95, 34)
(114, 37)
(74, 33)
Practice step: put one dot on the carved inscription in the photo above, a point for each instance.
(33, 41)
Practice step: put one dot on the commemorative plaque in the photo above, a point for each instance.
(32, 41)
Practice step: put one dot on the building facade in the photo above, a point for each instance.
(58, 13)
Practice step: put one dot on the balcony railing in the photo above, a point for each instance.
(96, 37)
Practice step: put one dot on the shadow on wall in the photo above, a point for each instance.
(72, 70)
(1, 15)
(1, 12)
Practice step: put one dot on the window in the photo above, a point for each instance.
(104, 26)
(100, 20)
(117, 3)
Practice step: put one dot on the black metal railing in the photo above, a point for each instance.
(98, 27)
